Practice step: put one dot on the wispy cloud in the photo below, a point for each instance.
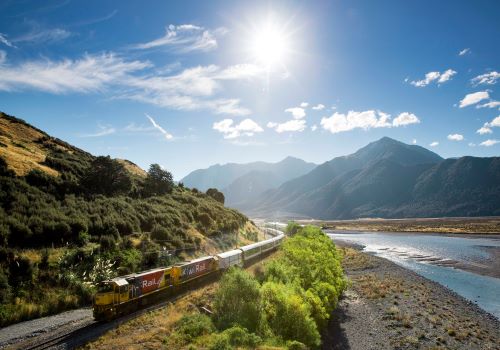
(185, 38)
(3, 56)
(489, 143)
(464, 52)
(304, 104)
(164, 132)
(294, 125)
(230, 130)
(39, 36)
(473, 98)
(434, 144)
(95, 20)
(340, 122)
(455, 137)
(103, 130)
(88, 74)
(319, 107)
(435, 77)
(491, 104)
(5, 41)
(490, 78)
(193, 88)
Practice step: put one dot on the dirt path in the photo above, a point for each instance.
(389, 307)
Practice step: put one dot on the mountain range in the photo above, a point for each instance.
(386, 178)
(241, 183)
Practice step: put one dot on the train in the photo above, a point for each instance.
(122, 295)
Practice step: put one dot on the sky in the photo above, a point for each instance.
(188, 84)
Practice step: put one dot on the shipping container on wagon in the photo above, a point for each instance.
(230, 258)
(195, 268)
(148, 281)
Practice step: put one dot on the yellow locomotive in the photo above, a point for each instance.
(124, 294)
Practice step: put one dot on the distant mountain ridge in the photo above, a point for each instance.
(387, 178)
(242, 182)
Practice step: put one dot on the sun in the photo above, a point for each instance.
(269, 45)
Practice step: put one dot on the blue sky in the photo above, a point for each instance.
(193, 83)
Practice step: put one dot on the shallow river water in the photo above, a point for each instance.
(421, 253)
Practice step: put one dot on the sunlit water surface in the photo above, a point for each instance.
(420, 252)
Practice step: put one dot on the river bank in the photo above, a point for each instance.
(390, 307)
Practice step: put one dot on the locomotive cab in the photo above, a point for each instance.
(109, 295)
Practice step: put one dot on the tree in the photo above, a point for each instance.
(237, 301)
(216, 194)
(106, 176)
(158, 181)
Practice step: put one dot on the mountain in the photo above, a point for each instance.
(241, 182)
(387, 178)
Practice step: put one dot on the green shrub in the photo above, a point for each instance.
(237, 301)
(194, 325)
(239, 336)
(288, 314)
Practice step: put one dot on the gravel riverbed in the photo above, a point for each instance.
(390, 307)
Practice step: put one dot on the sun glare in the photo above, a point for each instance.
(269, 45)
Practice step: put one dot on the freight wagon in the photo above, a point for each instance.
(122, 295)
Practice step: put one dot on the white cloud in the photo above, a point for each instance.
(491, 104)
(446, 75)
(434, 77)
(167, 135)
(472, 144)
(494, 123)
(186, 38)
(464, 52)
(297, 112)
(405, 118)
(304, 104)
(484, 130)
(319, 107)
(314, 127)
(487, 78)
(247, 127)
(272, 125)
(414, 141)
(434, 144)
(43, 36)
(340, 122)
(194, 88)
(103, 131)
(89, 74)
(471, 99)
(5, 41)
(489, 143)
(455, 137)
(294, 125)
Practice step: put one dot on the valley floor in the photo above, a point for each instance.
(389, 307)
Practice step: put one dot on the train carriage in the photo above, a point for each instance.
(230, 258)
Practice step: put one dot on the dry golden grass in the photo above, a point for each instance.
(133, 168)
(354, 260)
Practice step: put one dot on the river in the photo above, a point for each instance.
(428, 255)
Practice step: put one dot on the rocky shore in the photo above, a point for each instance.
(390, 307)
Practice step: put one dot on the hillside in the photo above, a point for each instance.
(69, 219)
(243, 182)
(390, 179)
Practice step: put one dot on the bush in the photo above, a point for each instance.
(288, 315)
(237, 301)
(292, 228)
(194, 325)
(239, 336)
(107, 243)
